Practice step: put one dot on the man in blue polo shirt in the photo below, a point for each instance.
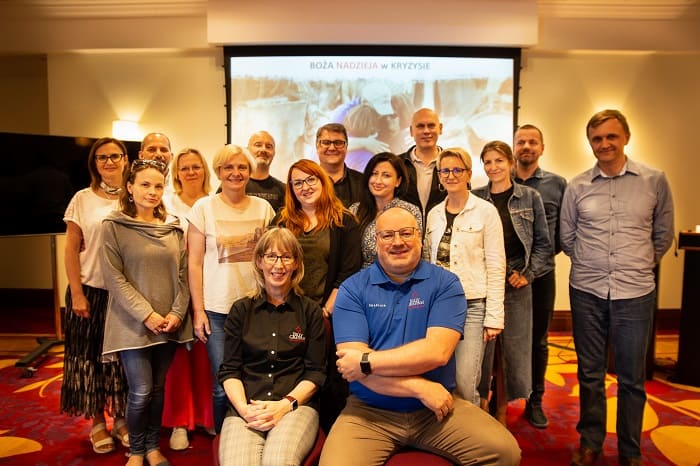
(396, 326)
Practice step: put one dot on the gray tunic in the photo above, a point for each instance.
(145, 270)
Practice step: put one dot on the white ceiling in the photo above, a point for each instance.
(41, 26)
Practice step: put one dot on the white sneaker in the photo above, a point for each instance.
(178, 439)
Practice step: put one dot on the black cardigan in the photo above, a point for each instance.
(411, 195)
(345, 254)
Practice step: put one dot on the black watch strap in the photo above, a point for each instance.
(293, 401)
(365, 366)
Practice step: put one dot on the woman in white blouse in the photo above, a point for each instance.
(464, 234)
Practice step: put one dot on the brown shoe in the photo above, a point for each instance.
(584, 457)
(631, 461)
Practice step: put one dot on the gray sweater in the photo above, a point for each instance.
(145, 270)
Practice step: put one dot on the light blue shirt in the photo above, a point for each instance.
(616, 229)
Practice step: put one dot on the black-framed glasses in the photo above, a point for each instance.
(146, 163)
(405, 234)
(456, 172)
(337, 143)
(311, 181)
(114, 158)
(271, 259)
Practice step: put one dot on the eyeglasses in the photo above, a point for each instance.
(114, 158)
(311, 181)
(405, 234)
(148, 163)
(337, 143)
(271, 259)
(456, 172)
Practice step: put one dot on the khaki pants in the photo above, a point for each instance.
(363, 435)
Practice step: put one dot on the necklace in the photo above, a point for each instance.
(109, 190)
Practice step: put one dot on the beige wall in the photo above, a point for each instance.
(661, 99)
(181, 93)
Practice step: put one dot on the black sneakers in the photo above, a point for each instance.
(535, 416)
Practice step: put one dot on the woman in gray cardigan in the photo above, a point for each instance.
(145, 270)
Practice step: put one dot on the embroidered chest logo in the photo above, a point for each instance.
(415, 301)
(297, 336)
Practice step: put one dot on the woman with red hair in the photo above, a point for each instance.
(330, 238)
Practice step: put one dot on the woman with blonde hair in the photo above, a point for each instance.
(221, 236)
(273, 417)
(465, 236)
(188, 400)
(330, 238)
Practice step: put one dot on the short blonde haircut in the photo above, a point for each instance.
(458, 152)
(227, 152)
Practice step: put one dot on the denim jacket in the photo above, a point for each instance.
(530, 224)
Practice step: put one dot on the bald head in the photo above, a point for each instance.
(425, 129)
(261, 145)
(398, 243)
(156, 146)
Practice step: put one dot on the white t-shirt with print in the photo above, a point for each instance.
(230, 235)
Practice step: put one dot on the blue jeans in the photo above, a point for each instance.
(470, 351)
(515, 343)
(626, 323)
(543, 292)
(215, 349)
(145, 370)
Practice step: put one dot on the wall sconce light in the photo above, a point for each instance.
(126, 130)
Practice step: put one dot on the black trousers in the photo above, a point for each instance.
(543, 293)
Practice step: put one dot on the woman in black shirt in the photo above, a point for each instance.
(274, 361)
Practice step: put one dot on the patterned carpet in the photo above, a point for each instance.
(32, 432)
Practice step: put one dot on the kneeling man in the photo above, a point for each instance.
(396, 326)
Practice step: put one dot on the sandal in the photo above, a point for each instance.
(103, 445)
(120, 432)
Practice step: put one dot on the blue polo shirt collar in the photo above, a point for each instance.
(377, 275)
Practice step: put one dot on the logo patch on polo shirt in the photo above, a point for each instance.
(297, 336)
(415, 302)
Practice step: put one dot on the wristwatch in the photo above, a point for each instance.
(365, 366)
(293, 401)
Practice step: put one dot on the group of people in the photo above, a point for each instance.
(390, 308)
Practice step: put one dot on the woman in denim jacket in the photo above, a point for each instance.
(464, 235)
(528, 247)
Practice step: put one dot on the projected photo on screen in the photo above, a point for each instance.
(291, 92)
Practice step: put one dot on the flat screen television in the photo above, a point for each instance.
(291, 91)
(39, 179)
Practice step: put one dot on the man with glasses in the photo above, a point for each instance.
(261, 184)
(156, 146)
(528, 145)
(421, 161)
(331, 148)
(396, 325)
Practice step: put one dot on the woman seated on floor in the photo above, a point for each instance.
(274, 361)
